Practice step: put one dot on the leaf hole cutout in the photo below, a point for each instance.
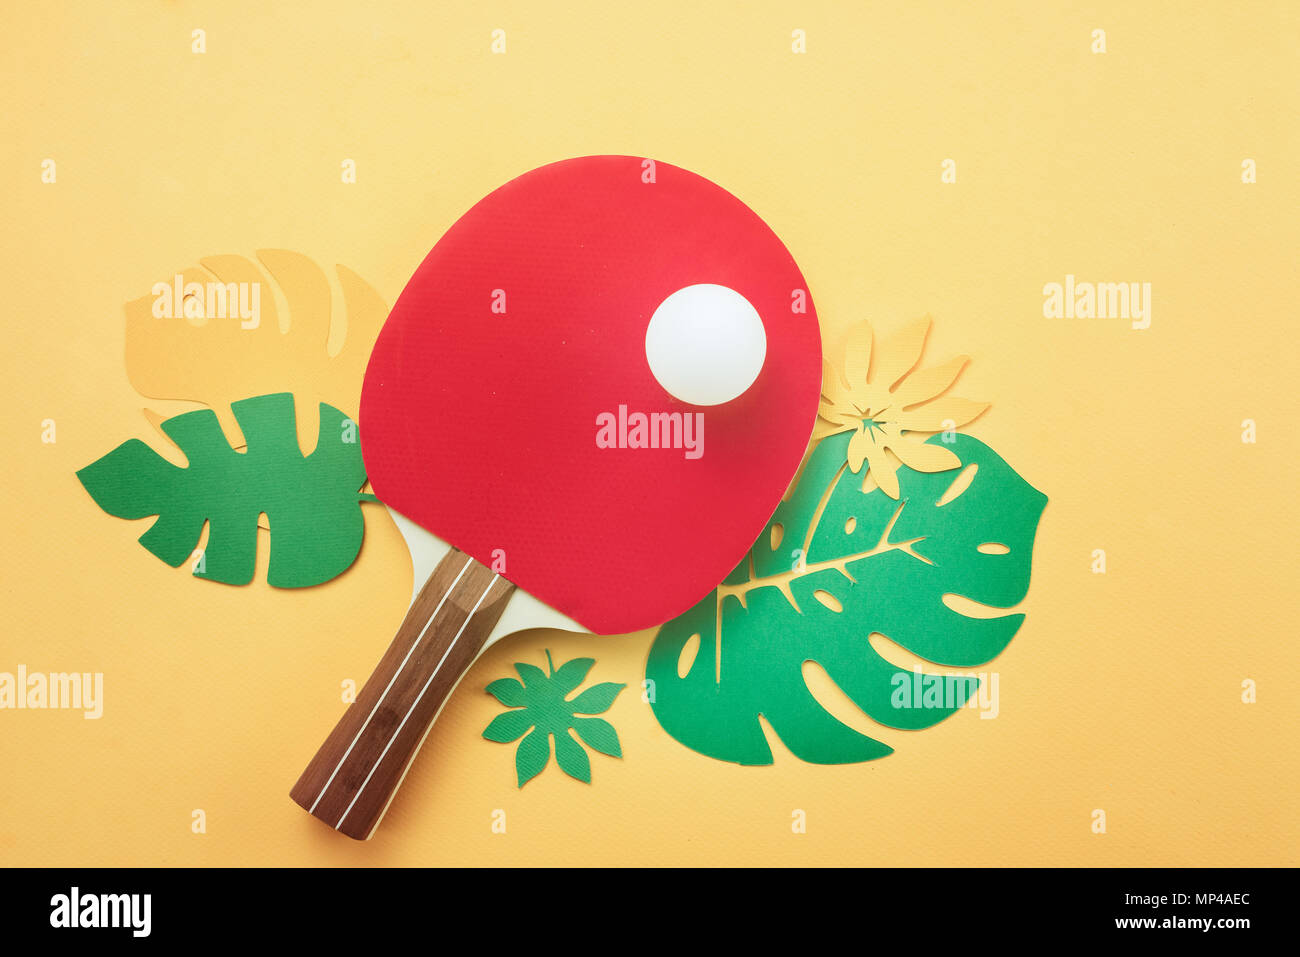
(993, 548)
(338, 306)
(299, 276)
(829, 600)
(199, 547)
(896, 654)
(868, 482)
(774, 743)
(850, 525)
(959, 485)
(836, 703)
(262, 556)
(778, 533)
(686, 658)
(973, 609)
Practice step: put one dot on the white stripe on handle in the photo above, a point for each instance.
(416, 702)
(468, 561)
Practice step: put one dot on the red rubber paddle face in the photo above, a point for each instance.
(500, 405)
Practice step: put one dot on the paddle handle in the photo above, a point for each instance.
(356, 772)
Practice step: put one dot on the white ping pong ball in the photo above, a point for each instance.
(705, 344)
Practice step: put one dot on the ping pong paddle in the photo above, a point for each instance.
(582, 410)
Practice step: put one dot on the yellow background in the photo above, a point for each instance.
(1121, 691)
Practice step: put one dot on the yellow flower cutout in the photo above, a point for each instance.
(888, 406)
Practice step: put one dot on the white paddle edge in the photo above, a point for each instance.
(523, 613)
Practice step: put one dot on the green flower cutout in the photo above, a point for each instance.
(542, 710)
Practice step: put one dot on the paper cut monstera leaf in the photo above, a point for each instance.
(307, 339)
(311, 337)
(836, 565)
(312, 502)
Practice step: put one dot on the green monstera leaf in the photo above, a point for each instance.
(312, 502)
(835, 565)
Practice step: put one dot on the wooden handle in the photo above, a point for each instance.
(356, 772)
